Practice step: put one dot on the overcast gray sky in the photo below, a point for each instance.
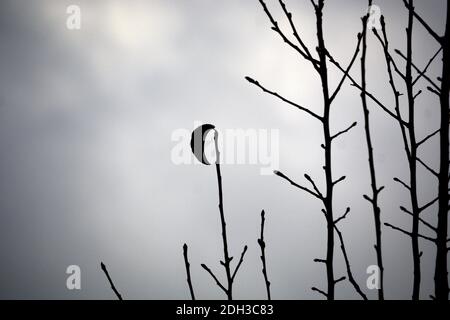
(86, 175)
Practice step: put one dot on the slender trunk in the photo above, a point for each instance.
(328, 201)
(413, 158)
(375, 189)
(227, 260)
(441, 274)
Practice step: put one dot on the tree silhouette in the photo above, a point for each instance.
(412, 144)
(197, 145)
(373, 199)
(320, 66)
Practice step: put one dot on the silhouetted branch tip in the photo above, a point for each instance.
(240, 262)
(402, 183)
(320, 291)
(339, 180)
(280, 174)
(343, 216)
(421, 73)
(262, 245)
(426, 206)
(340, 279)
(204, 266)
(409, 233)
(320, 260)
(428, 137)
(113, 287)
(438, 38)
(432, 171)
(188, 272)
(351, 279)
(275, 94)
(432, 90)
(344, 131)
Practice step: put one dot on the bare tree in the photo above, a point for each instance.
(373, 199)
(412, 144)
(197, 145)
(441, 273)
(319, 64)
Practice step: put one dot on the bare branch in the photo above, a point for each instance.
(113, 287)
(204, 266)
(424, 24)
(389, 61)
(421, 74)
(239, 263)
(256, 83)
(385, 47)
(188, 272)
(288, 14)
(371, 96)
(427, 167)
(343, 216)
(320, 291)
(276, 28)
(420, 219)
(347, 70)
(314, 185)
(262, 245)
(280, 174)
(320, 260)
(426, 206)
(409, 233)
(419, 71)
(428, 137)
(344, 131)
(436, 92)
(402, 183)
(351, 279)
(417, 94)
(340, 279)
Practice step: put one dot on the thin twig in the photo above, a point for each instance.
(276, 28)
(280, 174)
(256, 83)
(188, 272)
(435, 86)
(420, 219)
(402, 183)
(423, 73)
(344, 131)
(320, 291)
(432, 171)
(409, 233)
(299, 39)
(351, 279)
(343, 216)
(113, 287)
(240, 262)
(262, 245)
(424, 24)
(428, 137)
(219, 284)
(370, 95)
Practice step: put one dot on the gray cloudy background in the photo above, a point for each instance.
(86, 175)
